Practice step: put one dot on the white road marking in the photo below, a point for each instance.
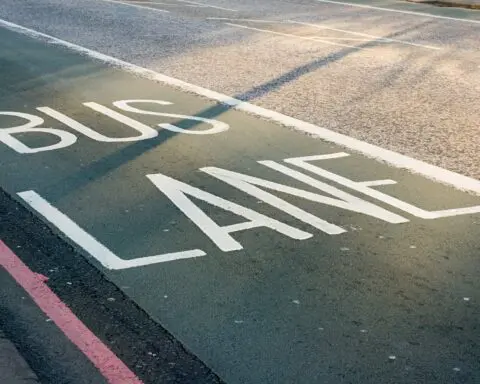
(377, 38)
(364, 40)
(293, 36)
(248, 20)
(146, 132)
(377, 183)
(341, 199)
(177, 192)
(91, 245)
(207, 5)
(217, 126)
(136, 6)
(33, 126)
(366, 35)
(304, 162)
(400, 11)
(392, 158)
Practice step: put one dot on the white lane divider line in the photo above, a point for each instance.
(379, 38)
(423, 14)
(207, 5)
(318, 40)
(373, 151)
(91, 245)
(128, 4)
(108, 364)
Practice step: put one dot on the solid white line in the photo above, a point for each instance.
(370, 150)
(91, 245)
(135, 6)
(399, 11)
(207, 5)
(293, 36)
(365, 35)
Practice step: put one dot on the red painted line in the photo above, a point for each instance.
(110, 366)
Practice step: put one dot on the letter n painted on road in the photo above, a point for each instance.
(343, 199)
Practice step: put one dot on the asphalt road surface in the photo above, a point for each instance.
(241, 191)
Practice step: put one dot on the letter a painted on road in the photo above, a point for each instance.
(177, 192)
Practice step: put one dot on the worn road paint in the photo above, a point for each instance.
(379, 38)
(395, 159)
(109, 365)
(292, 36)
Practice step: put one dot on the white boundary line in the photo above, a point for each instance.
(395, 159)
(400, 11)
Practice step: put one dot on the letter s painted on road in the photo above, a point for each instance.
(217, 126)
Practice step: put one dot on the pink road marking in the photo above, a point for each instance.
(110, 366)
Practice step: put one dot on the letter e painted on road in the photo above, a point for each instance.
(365, 187)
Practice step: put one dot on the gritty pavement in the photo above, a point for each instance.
(203, 244)
(412, 99)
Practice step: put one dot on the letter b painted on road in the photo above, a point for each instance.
(33, 126)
